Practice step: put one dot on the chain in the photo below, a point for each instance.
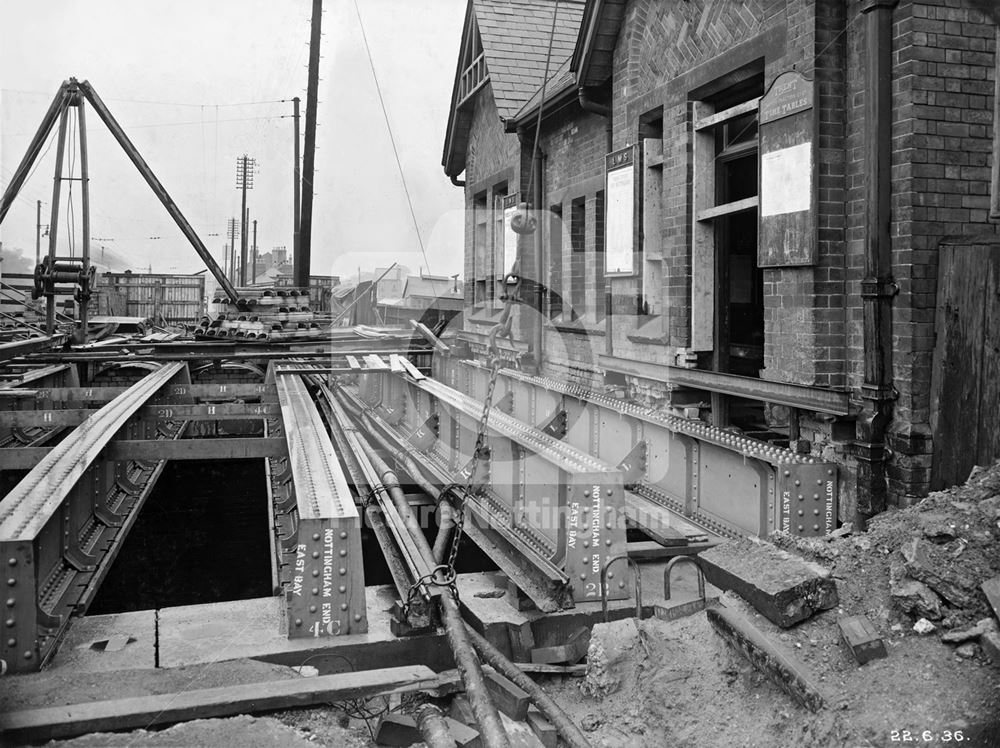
(502, 328)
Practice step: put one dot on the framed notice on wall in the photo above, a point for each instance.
(509, 235)
(787, 173)
(620, 244)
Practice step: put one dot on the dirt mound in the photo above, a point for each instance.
(925, 561)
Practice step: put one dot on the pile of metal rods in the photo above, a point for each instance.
(416, 567)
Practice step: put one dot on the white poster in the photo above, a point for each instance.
(786, 180)
(509, 240)
(619, 221)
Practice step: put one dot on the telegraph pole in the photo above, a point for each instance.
(233, 231)
(296, 184)
(244, 181)
(309, 157)
(253, 271)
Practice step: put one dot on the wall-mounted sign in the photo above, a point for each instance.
(789, 94)
(509, 236)
(620, 210)
(787, 173)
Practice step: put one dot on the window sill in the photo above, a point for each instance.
(580, 327)
(650, 331)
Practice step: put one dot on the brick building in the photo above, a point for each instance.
(744, 203)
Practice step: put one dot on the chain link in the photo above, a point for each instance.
(502, 328)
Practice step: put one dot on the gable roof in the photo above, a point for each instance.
(514, 35)
(595, 46)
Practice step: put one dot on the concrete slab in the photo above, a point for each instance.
(787, 589)
(493, 615)
(251, 629)
(122, 641)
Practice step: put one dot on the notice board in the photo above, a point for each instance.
(621, 213)
(509, 235)
(787, 173)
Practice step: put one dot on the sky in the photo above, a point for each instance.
(197, 83)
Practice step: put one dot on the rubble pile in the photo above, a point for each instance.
(922, 568)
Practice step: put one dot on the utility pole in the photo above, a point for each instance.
(296, 184)
(234, 227)
(309, 157)
(253, 271)
(244, 181)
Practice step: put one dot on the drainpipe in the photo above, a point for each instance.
(456, 181)
(538, 301)
(877, 286)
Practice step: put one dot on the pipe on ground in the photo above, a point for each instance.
(433, 728)
(567, 730)
(490, 727)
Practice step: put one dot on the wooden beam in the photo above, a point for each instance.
(48, 723)
(197, 449)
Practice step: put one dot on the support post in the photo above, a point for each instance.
(302, 260)
(243, 218)
(38, 233)
(56, 108)
(85, 290)
(50, 299)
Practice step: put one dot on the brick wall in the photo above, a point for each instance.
(943, 69)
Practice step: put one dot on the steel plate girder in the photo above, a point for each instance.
(543, 493)
(62, 524)
(326, 594)
(731, 482)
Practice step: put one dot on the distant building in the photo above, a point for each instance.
(430, 299)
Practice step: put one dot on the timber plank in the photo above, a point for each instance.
(958, 358)
(48, 723)
(988, 416)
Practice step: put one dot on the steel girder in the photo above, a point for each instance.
(316, 526)
(726, 482)
(64, 522)
(555, 505)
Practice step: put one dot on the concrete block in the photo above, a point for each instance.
(507, 695)
(465, 736)
(397, 729)
(544, 730)
(862, 639)
(570, 653)
(784, 588)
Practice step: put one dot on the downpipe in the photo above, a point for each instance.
(877, 287)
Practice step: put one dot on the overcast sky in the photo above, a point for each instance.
(180, 75)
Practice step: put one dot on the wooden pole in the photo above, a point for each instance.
(85, 209)
(296, 186)
(303, 259)
(50, 299)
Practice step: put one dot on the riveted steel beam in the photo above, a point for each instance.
(717, 480)
(559, 507)
(63, 523)
(320, 528)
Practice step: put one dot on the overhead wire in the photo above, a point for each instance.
(392, 139)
